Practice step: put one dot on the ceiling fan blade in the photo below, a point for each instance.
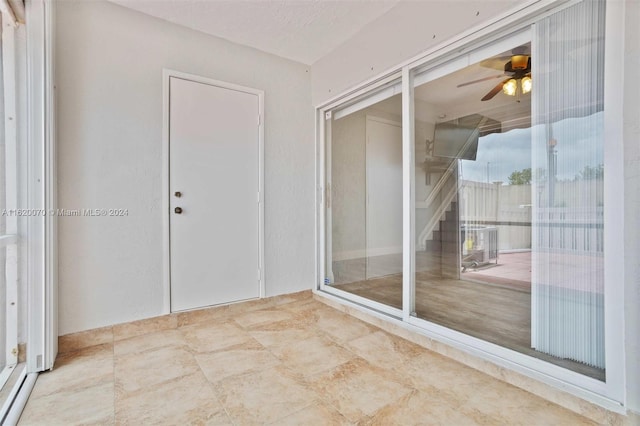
(480, 80)
(496, 63)
(494, 91)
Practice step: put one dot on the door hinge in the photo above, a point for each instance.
(259, 119)
(258, 197)
(259, 275)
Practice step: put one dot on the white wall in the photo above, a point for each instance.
(631, 119)
(405, 31)
(109, 86)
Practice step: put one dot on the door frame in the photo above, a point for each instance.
(166, 240)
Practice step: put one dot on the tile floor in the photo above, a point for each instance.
(299, 362)
(512, 269)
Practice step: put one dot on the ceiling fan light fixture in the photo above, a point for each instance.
(519, 62)
(510, 87)
(527, 84)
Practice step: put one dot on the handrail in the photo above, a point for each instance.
(435, 218)
(446, 201)
(436, 189)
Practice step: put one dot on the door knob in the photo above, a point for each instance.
(178, 194)
(178, 210)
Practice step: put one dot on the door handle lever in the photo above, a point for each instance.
(178, 210)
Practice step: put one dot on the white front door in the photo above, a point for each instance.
(214, 204)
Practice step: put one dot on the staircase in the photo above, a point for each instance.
(444, 242)
(439, 235)
(445, 230)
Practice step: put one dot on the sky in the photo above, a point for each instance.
(579, 143)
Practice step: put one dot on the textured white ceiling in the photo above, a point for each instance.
(301, 30)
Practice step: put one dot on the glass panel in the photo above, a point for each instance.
(568, 142)
(364, 202)
(509, 201)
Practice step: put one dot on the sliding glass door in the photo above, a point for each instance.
(473, 195)
(363, 140)
(509, 194)
(567, 262)
(468, 197)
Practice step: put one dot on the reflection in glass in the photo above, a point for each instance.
(364, 202)
(509, 195)
(568, 206)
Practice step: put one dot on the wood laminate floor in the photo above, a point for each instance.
(495, 313)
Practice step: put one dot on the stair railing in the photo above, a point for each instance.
(445, 201)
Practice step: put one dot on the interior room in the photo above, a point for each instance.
(319, 212)
(473, 189)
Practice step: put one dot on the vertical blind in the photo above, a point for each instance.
(567, 194)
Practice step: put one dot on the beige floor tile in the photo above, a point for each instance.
(419, 408)
(269, 302)
(75, 371)
(91, 405)
(297, 297)
(281, 336)
(207, 337)
(186, 400)
(149, 341)
(262, 316)
(510, 405)
(358, 389)
(149, 325)
(245, 359)
(310, 307)
(429, 370)
(385, 350)
(263, 397)
(312, 355)
(342, 328)
(140, 371)
(284, 361)
(198, 316)
(317, 413)
(248, 306)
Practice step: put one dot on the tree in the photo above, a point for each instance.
(589, 172)
(520, 177)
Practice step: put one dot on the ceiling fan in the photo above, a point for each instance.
(518, 72)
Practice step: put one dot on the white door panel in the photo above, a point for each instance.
(214, 164)
(384, 198)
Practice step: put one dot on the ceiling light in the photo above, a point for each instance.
(510, 87)
(519, 62)
(527, 84)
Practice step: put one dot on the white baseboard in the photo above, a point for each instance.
(363, 253)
